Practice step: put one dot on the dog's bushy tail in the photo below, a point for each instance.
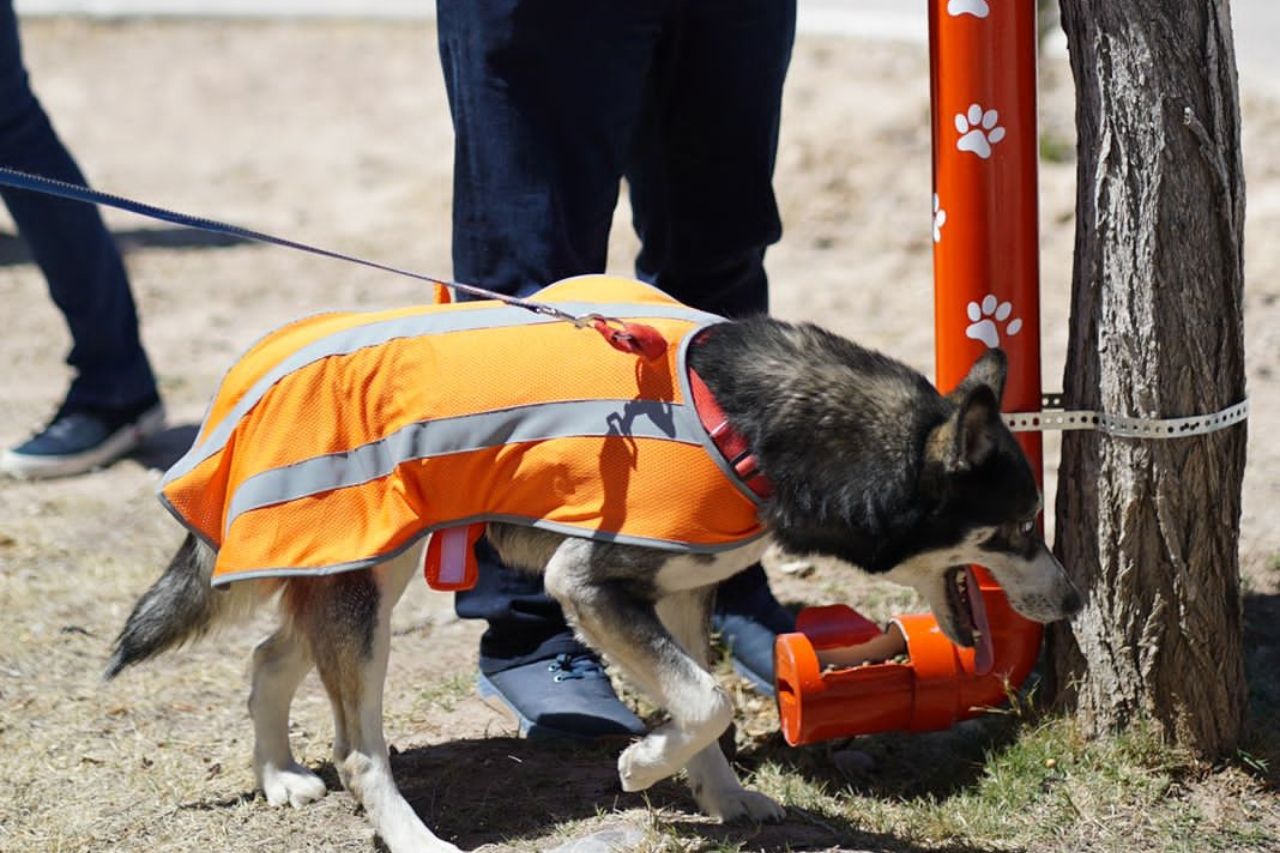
(179, 607)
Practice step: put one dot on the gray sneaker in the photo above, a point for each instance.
(81, 438)
(566, 698)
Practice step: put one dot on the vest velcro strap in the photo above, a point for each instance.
(450, 562)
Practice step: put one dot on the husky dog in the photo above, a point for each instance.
(868, 463)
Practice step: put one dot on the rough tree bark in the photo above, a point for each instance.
(1151, 528)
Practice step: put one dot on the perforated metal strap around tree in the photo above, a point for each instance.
(1053, 417)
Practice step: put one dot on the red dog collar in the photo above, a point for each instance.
(727, 440)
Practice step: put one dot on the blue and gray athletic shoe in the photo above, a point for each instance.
(80, 438)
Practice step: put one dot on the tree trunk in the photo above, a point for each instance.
(1150, 528)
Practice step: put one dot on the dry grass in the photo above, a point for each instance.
(263, 129)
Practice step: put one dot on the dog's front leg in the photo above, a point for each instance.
(349, 627)
(687, 615)
(613, 610)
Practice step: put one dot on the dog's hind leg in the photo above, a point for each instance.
(280, 662)
(687, 615)
(348, 626)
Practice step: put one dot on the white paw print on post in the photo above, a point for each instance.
(939, 219)
(985, 318)
(979, 130)
(977, 8)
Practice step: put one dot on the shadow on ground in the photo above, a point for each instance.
(895, 766)
(14, 251)
(1262, 670)
(166, 447)
(507, 790)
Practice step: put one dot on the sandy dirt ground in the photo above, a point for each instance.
(338, 134)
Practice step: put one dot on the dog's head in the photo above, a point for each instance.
(914, 487)
(985, 507)
(871, 465)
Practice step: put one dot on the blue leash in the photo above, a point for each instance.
(629, 337)
(73, 192)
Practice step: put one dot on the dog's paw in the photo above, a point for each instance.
(292, 785)
(739, 804)
(644, 763)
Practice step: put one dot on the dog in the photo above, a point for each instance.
(835, 450)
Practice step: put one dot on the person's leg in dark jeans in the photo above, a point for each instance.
(113, 382)
(546, 99)
(701, 181)
(544, 95)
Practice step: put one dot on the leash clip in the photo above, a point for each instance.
(635, 338)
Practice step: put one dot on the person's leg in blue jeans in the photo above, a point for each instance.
(544, 95)
(701, 182)
(113, 384)
(547, 97)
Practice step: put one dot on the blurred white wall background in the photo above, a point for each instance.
(890, 19)
(1257, 22)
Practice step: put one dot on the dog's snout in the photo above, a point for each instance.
(1072, 602)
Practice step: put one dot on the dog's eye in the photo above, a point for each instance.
(1027, 527)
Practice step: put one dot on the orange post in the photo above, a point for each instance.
(986, 278)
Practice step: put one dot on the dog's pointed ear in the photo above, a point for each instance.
(989, 370)
(977, 419)
(968, 437)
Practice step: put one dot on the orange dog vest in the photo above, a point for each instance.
(340, 440)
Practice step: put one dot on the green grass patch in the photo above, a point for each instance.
(1056, 149)
(446, 693)
(1001, 783)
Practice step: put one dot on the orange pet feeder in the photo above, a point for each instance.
(986, 277)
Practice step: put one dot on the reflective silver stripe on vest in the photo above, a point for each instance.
(356, 338)
(541, 524)
(423, 440)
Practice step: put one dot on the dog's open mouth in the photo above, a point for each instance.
(969, 616)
